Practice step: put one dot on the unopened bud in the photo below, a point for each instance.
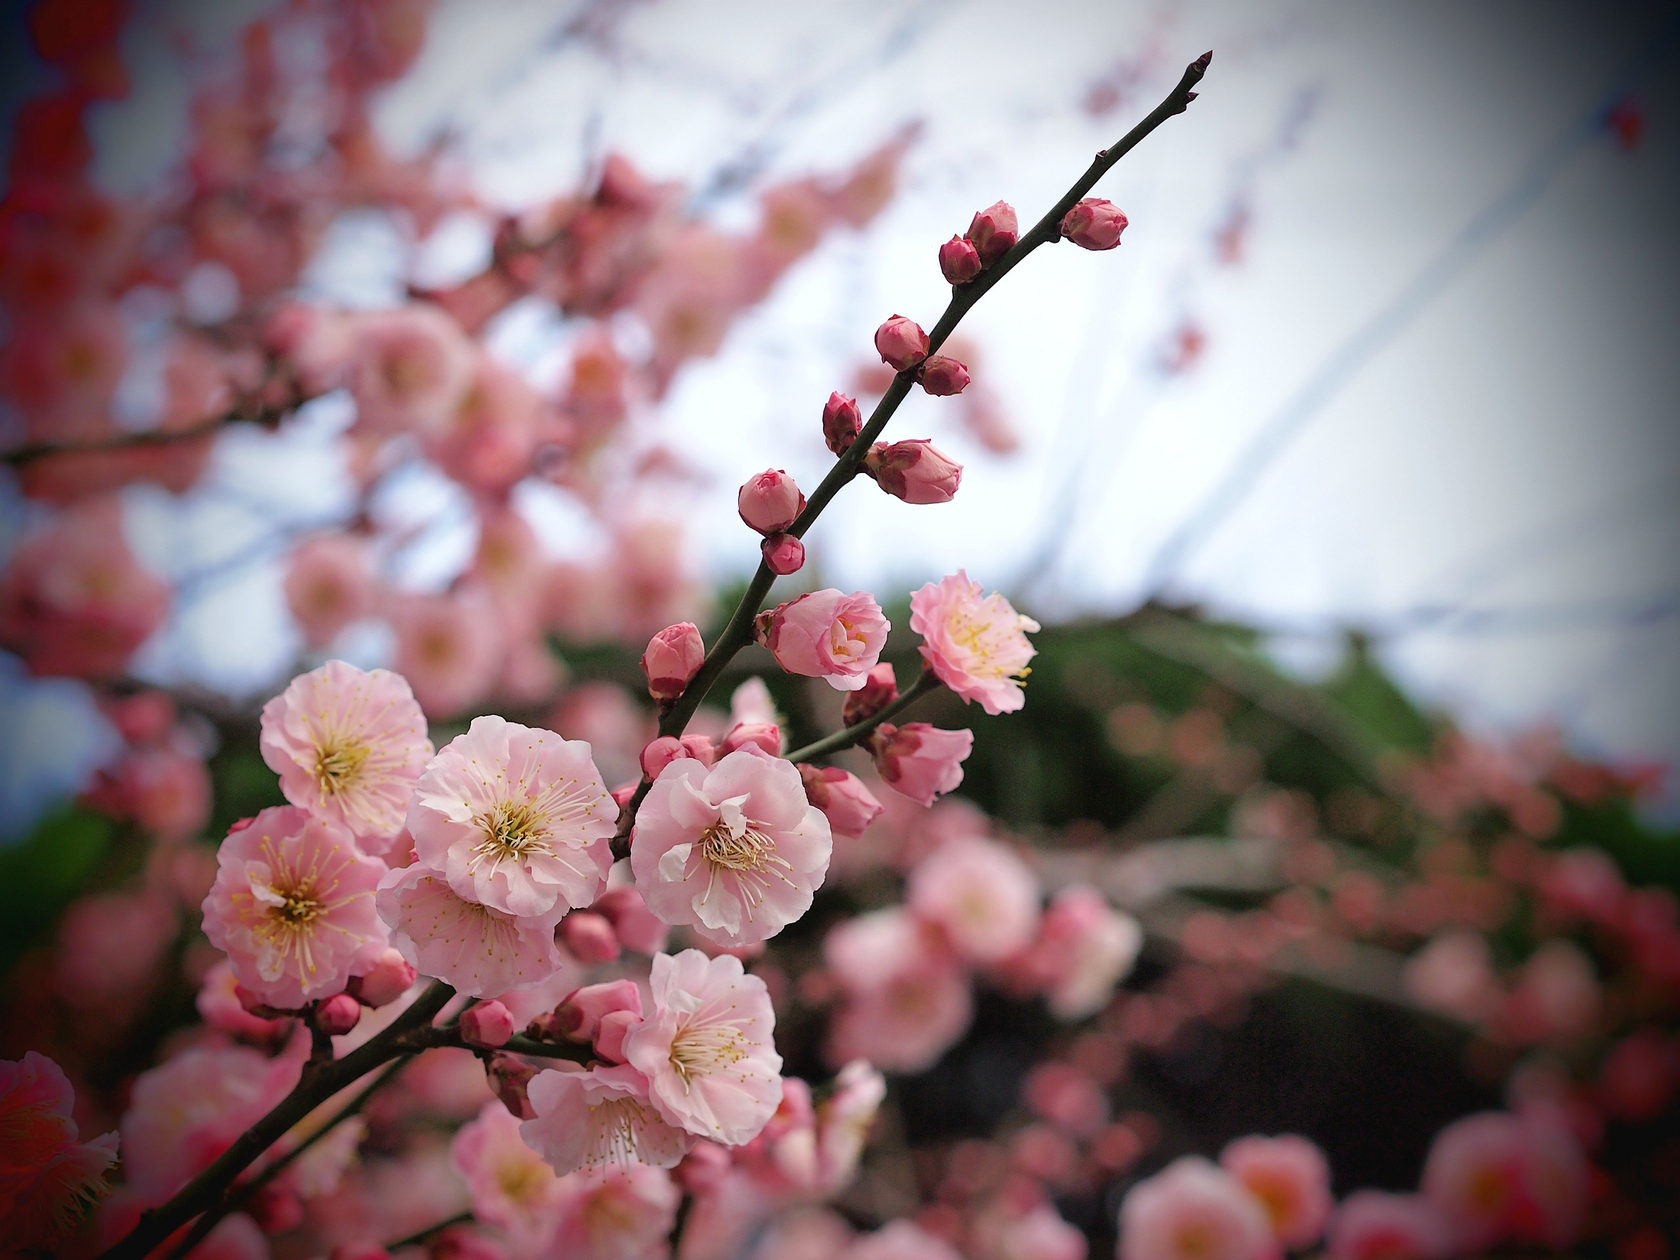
(880, 688)
(580, 1014)
(914, 471)
(672, 658)
(488, 1024)
(766, 736)
(1094, 224)
(841, 421)
(384, 982)
(609, 1034)
(700, 748)
(959, 261)
(508, 1079)
(661, 752)
(588, 937)
(942, 376)
(336, 1015)
(902, 343)
(994, 231)
(770, 501)
(636, 926)
(783, 554)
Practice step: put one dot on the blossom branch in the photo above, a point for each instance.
(319, 1082)
(420, 1235)
(843, 739)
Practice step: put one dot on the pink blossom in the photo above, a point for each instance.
(959, 261)
(673, 657)
(918, 760)
(900, 1240)
(1290, 1178)
(293, 907)
(980, 895)
(901, 343)
(517, 818)
(602, 1116)
(412, 368)
(1084, 948)
(347, 745)
(843, 1121)
(1193, 1210)
(1454, 973)
(1094, 224)
(829, 635)
(770, 501)
(482, 951)
(783, 554)
(449, 646)
(487, 1024)
(942, 376)
(1372, 1225)
(1473, 1176)
(841, 422)
(915, 471)
(733, 850)
(976, 645)
(994, 231)
(186, 1112)
(487, 440)
(511, 1186)
(616, 1214)
(329, 584)
(845, 802)
(47, 1175)
(907, 1000)
(707, 1048)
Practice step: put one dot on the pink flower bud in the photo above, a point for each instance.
(581, 1013)
(849, 806)
(918, 760)
(609, 1037)
(842, 421)
(770, 501)
(487, 1024)
(1094, 224)
(783, 554)
(636, 926)
(508, 1078)
(703, 1168)
(879, 690)
(914, 471)
(902, 343)
(994, 231)
(624, 793)
(589, 937)
(942, 376)
(672, 657)
(337, 1015)
(959, 261)
(766, 736)
(700, 748)
(659, 753)
(384, 982)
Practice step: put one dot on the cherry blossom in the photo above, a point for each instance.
(602, 1116)
(976, 645)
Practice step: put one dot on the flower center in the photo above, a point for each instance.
(512, 830)
(336, 764)
(297, 907)
(746, 850)
(522, 1180)
(700, 1050)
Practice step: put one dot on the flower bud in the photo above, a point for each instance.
(842, 421)
(766, 736)
(918, 760)
(636, 926)
(700, 748)
(994, 231)
(879, 690)
(913, 471)
(661, 752)
(337, 1015)
(609, 1037)
(845, 802)
(577, 1018)
(942, 376)
(959, 261)
(487, 1024)
(384, 982)
(783, 554)
(770, 501)
(902, 343)
(588, 937)
(1094, 224)
(672, 657)
(508, 1078)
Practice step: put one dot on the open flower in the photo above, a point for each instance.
(828, 635)
(517, 819)
(733, 850)
(707, 1048)
(347, 745)
(511, 1187)
(602, 1116)
(47, 1176)
(976, 645)
(292, 906)
(480, 950)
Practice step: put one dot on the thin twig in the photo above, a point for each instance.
(845, 738)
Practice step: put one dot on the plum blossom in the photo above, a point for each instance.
(829, 635)
(48, 1178)
(511, 1187)
(293, 907)
(347, 745)
(516, 818)
(733, 850)
(1374, 1225)
(976, 645)
(707, 1048)
(615, 1214)
(480, 950)
(981, 895)
(585, 1120)
(1193, 1210)
(1291, 1179)
(906, 997)
(918, 760)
